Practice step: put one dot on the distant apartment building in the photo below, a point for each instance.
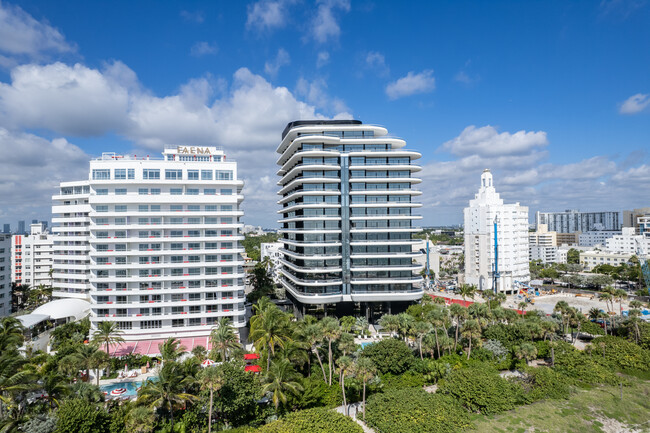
(631, 217)
(567, 238)
(542, 245)
(629, 242)
(348, 207)
(5, 275)
(154, 243)
(591, 259)
(571, 221)
(32, 257)
(21, 228)
(512, 238)
(272, 251)
(596, 237)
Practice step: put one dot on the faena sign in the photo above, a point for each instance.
(191, 150)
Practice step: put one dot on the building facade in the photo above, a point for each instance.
(272, 251)
(163, 242)
(31, 257)
(591, 259)
(596, 237)
(628, 242)
(512, 240)
(571, 221)
(348, 207)
(5, 275)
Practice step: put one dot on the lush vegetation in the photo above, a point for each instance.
(252, 244)
(479, 358)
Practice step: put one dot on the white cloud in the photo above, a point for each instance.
(31, 168)
(281, 59)
(23, 36)
(266, 15)
(73, 100)
(323, 59)
(203, 48)
(196, 16)
(411, 84)
(635, 103)
(315, 92)
(324, 25)
(377, 62)
(486, 141)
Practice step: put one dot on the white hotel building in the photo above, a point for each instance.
(512, 240)
(347, 212)
(154, 244)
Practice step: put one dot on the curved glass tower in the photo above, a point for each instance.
(347, 214)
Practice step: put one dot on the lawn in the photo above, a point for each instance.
(599, 409)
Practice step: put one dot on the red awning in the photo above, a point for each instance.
(250, 356)
(253, 368)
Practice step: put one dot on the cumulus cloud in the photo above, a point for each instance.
(315, 92)
(266, 15)
(486, 141)
(281, 59)
(31, 168)
(203, 48)
(522, 173)
(411, 84)
(325, 25)
(635, 103)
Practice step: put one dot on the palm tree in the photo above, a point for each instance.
(269, 329)
(470, 331)
(347, 323)
(199, 352)
(467, 291)
(594, 313)
(364, 370)
(459, 314)
(548, 328)
(390, 323)
(421, 329)
(224, 338)
(562, 307)
(140, 419)
(405, 324)
(280, 380)
(54, 388)
(313, 335)
(607, 298)
(619, 295)
(11, 333)
(523, 305)
(84, 355)
(361, 325)
(331, 331)
(171, 349)
(526, 351)
(169, 391)
(107, 333)
(345, 364)
(212, 380)
(13, 378)
(99, 361)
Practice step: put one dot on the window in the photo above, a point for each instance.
(224, 175)
(120, 208)
(155, 208)
(101, 221)
(226, 192)
(193, 208)
(131, 173)
(143, 221)
(120, 247)
(102, 191)
(102, 208)
(176, 191)
(176, 247)
(143, 191)
(143, 208)
(206, 174)
(155, 191)
(192, 175)
(149, 324)
(120, 191)
(101, 174)
(192, 191)
(120, 173)
(176, 208)
(174, 174)
(211, 208)
(178, 323)
(151, 173)
(209, 191)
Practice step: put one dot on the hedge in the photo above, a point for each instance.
(412, 410)
(317, 420)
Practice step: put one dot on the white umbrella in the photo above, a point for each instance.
(207, 363)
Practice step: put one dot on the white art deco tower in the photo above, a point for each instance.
(347, 212)
(512, 239)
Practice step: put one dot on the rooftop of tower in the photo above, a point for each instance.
(295, 123)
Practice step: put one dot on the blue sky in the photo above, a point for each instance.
(553, 96)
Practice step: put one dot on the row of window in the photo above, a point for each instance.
(170, 191)
(176, 323)
(176, 272)
(158, 221)
(155, 173)
(170, 208)
(174, 246)
(221, 284)
(119, 234)
(145, 260)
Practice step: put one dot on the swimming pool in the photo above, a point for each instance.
(365, 343)
(131, 388)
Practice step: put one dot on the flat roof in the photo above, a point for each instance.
(295, 123)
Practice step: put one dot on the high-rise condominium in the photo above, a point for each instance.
(347, 215)
(154, 244)
(511, 249)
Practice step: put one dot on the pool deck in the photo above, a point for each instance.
(139, 378)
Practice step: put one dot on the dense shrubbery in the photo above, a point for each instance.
(317, 420)
(481, 389)
(581, 367)
(409, 379)
(81, 416)
(541, 383)
(415, 411)
(508, 335)
(390, 356)
(621, 354)
(317, 393)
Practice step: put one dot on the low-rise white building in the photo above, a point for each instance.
(272, 251)
(596, 237)
(542, 245)
(31, 257)
(628, 242)
(5, 275)
(591, 259)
